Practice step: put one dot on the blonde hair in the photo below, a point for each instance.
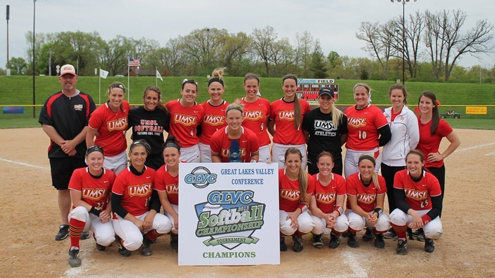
(374, 176)
(336, 115)
(217, 76)
(365, 86)
(302, 176)
(236, 105)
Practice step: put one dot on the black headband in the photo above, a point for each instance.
(94, 148)
(368, 157)
(215, 79)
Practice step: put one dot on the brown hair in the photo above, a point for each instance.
(324, 153)
(250, 76)
(302, 176)
(297, 105)
(421, 157)
(374, 176)
(435, 119)
(118, 85)
(160, 105)
(398, 87)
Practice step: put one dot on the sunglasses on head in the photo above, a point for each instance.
(120, 86)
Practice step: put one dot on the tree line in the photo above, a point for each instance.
(432, 46)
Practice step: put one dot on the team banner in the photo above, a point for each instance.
(228, 214)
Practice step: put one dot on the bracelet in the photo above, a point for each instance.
(95, 211)
(339, 209)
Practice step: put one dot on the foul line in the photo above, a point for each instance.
(475, 147)
(24, 164)
(487, 154)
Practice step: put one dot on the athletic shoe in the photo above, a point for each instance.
(389, 234)
(100, 247)
(74, 260)
(63, 232)
(402, 247)
(317, 241)
(146, 250)
(409, 234)
(379, 242)
(84, 235)
(174, 241)
(283, 246)
(419, 235)
(346, 234)
(429, 245)
(298, 244)
(334, 241)
(368, 236)
(351, 241)
(122, 251)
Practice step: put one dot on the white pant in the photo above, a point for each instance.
(103, 232)
(176, 208)
(116, 163)
(432, 230)
(304, 220)
(278, 154)
(264, 154)
(130, 233)
(341, 224)
(190, 154)
(352, 159)
(204, 153)
(357, 222)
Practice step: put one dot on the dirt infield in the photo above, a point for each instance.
(30, 220)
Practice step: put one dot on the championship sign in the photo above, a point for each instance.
(228, 214)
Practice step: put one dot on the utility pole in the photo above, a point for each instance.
(8, 59)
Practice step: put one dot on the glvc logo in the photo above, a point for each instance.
(200, 177)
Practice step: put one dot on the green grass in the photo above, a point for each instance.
(18, 90)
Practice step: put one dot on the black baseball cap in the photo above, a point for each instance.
(326, 91)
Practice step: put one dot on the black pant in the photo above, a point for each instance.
(313, 169)
(439, 173)
(388, 173)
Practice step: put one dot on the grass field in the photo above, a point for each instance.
(17, 90)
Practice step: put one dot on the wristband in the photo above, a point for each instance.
(303, 207)
(339, 209)
(379, 211)
(95, 211)
(426, 219)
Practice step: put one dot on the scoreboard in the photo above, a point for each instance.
(308, 89)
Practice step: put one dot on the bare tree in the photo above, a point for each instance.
(379, 42)
(263, 41)
(305, 44)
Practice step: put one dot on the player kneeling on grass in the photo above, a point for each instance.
(89, 193)
(327, 202)
(296, 188)
(167, 186)
(136, 220)
(365, 195)
(418, 199)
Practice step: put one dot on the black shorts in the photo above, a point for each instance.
(62, 169)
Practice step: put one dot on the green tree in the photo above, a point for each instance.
(18, 65)
(318, 66)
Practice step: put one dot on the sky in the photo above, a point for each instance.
(334, 23)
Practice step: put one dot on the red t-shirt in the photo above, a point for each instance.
(184, 121)
(289, 197)
(326, 196)
(283, 114)
(363, 127)
(111, 127)
(93, 191)
(213, 120)
(248, 144)
(165, 182)
(418, 194)
(135, 190)
(366, 196)
(430, 143)
(255, 118)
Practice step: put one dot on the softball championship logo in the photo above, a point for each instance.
(229, 218)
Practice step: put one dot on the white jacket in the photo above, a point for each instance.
(405, 136)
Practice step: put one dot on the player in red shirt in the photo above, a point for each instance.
(368, 129)
(296, 188)
(234, 143)
(185, 117)
(214, 113)
(167, 186)
(419, 203)
(256, 113)
(365, 195)
(286, 116)
(90, 191)
(109, 124)
(327, 202)
(136, 205)
(431, 131)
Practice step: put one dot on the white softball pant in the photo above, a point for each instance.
(103, 232)
(304, 220)
(352, 159)
(264, 154)
(190, 154)
(278, 154)
(176, 208)
(130, 233)
(357, 222)
(204, 153)
(116, 163)
(341, 224)
(432, 230)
